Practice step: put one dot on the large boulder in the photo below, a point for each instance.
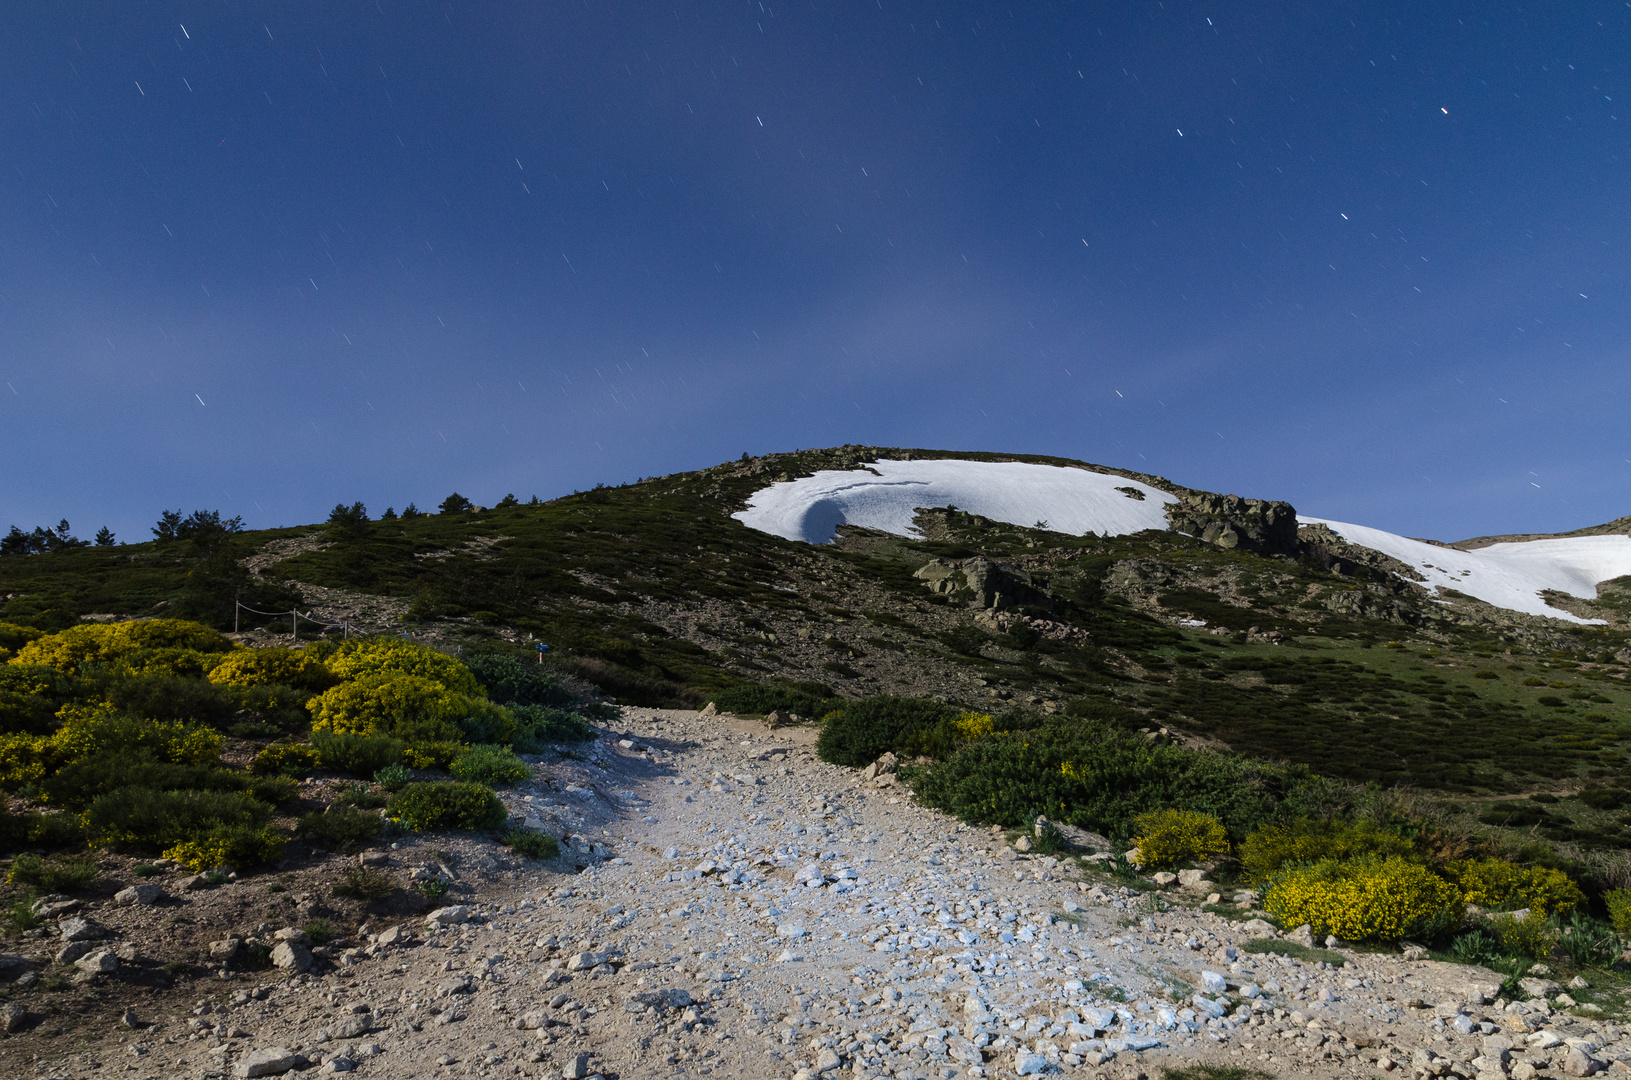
(981, 583)
(1232, 522)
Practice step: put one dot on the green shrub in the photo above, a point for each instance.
(491, 765)
(273, 790)
(1605, 798)
(809, 700)
(360, 755)
(285, 760)
(1097, 776)
(531, 843)
(433, 755)
(1168, 837)
(132, 819)
(1496, 883)
(446, 805)
(484, 722)
(1366, 900)
(62, 875)
(1589, 942)
(361, 797)
(394, 777)
(342, 828)
(537, 726)
(365, 883)
(78, 784)
(862, 731)
(1268, 849)
(512, 681)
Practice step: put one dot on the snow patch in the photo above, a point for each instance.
(1509, 575)
(1070, 500)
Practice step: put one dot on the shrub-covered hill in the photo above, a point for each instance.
(1319, 654)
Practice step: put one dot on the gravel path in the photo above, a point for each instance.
(750, 912)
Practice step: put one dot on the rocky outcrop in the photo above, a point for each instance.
(1229, 521)
(981, 583)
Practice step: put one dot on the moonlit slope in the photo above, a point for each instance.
(1507, 575)
(1069, 500)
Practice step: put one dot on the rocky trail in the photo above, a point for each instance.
(744, 910)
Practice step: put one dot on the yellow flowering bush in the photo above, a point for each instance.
(389, 703)
(176, 663)
(276, 666)
(1365, 900)
(433, 755)
(1273, 847)
(1166, 837)
(14, 637)
(1495, 883)
(1619, 910)
(972, 725)
(104, 642)
(370, 656)
(1532, 936)
(89, 730)
(235, 846)
(25, 759)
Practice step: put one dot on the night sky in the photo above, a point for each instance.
(1373, 258)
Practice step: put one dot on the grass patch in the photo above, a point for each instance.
(1214, 1072)
(59, 875)
(342, 828)
(1277, 947)
(531, 843)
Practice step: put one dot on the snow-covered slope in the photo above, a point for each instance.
(1069, 500)
(1508, 575)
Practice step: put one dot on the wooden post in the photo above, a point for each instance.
(294, 622)
(235, 607)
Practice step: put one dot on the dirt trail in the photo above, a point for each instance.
(747, 911)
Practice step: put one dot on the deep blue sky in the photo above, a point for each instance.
(1372, 258)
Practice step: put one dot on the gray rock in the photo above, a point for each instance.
(226, 950)
(144, 893)
(1302, 935)
(577, 1068)
(338, 1065)
(661, 1000)
(268, 1061)
(73, 951)
(1213, 983)
(1580, 1063)
(1023, 844)
(194, 883)
(461, 985)
(1029, 1064)
(1540, 988)
(884, 766)
(1193, 879)
(55, 907)
(349, 1027)
(1259, 928)
(454, 915)
(583, 961)
(293, 936)
(100, 962)
(80, 929)
(396, 935)
(290, 956)
(13, 1017)
(827, 1061)
(1231, 522)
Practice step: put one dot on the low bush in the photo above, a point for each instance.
(1365, 900)
(61, 875)
(1272, 847)
(537, 726)
(491, 765)
(136, 819)
(106, 642)
(1495, 883)
(1168, 837)
(862, 731)
(360, 755)
(484, 722)
(343, 828)
(238, 846)
(393, 777)
(511, 681)
(362, 797)
(408, 707)
(1095, 775)
(363, 657)
(531, 843)
(1532, 936)
(365, 883)
(276, 666)
(1589, 942)
(1618, 902)
(285, 761)
(809, 701)
(446, 805)
(189, 664)
(433, 755)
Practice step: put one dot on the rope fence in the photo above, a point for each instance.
(295, 616)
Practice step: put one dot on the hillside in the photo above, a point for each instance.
(1312, 641)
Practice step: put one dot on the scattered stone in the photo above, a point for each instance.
(1023, 844)
(1302, 935)
(270, 1061)
(291, 956)
(1029, 1064)
(1194, 880)
(80, 929)
(577, 1068)
(13, 1017)
(100, 962)
(456, 915)
(144, 894)
(226, 950)
(1163, 878)
(1213, 983)
(583, 961)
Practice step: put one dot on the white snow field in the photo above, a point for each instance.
(1507, 575)
(1070, 500)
